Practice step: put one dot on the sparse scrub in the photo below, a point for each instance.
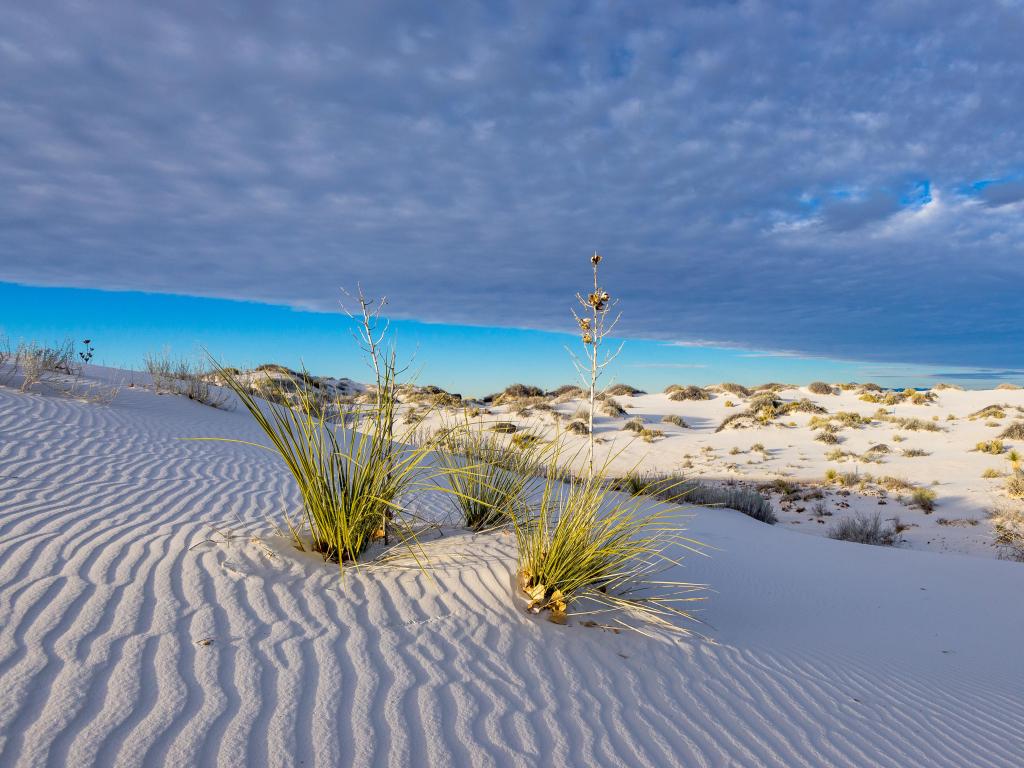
(1008, 522)
(1015, 485)
(42, 364)
(820, 388)
(990, 474)
(734, 389)
(989, 412)
(865, 529)
(912, 453)
(829, 438)
(676, 420)
(577, 427)
(504, 427)
(181, 377)
(634, 425)
(1008, 385)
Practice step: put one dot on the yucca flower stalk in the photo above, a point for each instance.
(586, 541)
(594, 328)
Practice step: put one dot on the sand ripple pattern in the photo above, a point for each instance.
(131, 634)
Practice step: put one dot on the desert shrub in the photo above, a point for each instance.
(911, 453)
(611, 407)
(504, 427)
(578, 427)
(522, 390)
(990, 473)
(820, 388)
(734, 389)
(943, 385)
(829, 438)
(913, 424)
(865, 529)
(1013, 432)
(40, 363)
(582, 542)
(620, 390)
(489, 478)
(676, 420)
(880, 448)
(182, 377)
(989, 412)
(994, 447)
(690, 392)
(1008, 385)
(1008, 523)
(923, 498)
(1015, 485)
(650, 434)
(567, 391)
(677, 489)
(729, 404)
(634, 425)
(801, 406)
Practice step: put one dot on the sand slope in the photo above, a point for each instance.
(129, 637)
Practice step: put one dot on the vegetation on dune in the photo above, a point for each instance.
(678, 392)
(621, 390)
(820, 388)
(676, 420)
(583, 542)
(1013, 432)
(866, 529)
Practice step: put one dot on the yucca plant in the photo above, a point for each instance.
(350, 473)
(489, 475)
(586, 541)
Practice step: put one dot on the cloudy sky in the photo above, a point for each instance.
(831, 178)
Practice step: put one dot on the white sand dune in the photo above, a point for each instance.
(132, 634)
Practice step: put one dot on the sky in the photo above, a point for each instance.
(821, 180)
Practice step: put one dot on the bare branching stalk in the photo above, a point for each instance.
(595, 327)
(371, 337)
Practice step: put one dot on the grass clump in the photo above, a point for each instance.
(182, 377)
(577, 427)
(636, 424)
(866, 529)
(820, 388)
(1008, 385)
(611, 407)
(912, 453)
(351, 481)
(993, 447)
(990, 473)
(734, 389)
(504, 427)
(489, 478)
(584, 542)
(989, 412)
(676, 420)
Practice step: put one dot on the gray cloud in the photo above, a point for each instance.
(748, 168)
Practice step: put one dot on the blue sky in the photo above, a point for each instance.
(126, 326)
(842, 180)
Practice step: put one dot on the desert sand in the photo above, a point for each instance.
(149, 615)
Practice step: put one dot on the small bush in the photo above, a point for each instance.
(504, 427)
(1008, 385)
(923, 498)
(880, 448)
(567, 391)
(989, 412)
(1015, 485)
(829, 438)
(911, 453)
(691, 392)
(942, 385)
(621, 390)
(994, 447)
(578, 427)
(634, 425)
(676, 420)
(820, 388)
(734, 389)
(1013, 432)
(610, 407)
(865, 529)
(990, 473)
